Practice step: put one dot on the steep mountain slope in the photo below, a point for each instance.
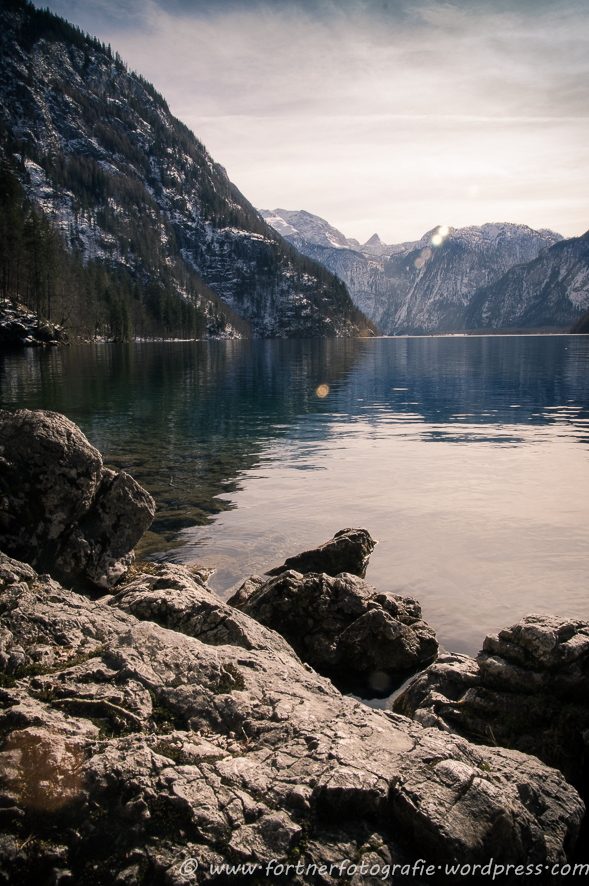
(300, 227)
(421, 286)
(581, 326)
(130, 186)
(552, 290)
(432, 285)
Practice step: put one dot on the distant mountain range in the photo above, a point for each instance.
(493, 276)
(115, 221)
(153, 236)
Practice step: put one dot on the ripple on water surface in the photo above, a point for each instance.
(467, 458)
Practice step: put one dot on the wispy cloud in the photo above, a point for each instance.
(377, 115)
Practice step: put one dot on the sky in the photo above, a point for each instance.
(381, 116)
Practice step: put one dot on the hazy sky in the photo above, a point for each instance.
(386, 116)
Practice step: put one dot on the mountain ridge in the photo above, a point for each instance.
(539, 292)
(428, 285)
(130, 187)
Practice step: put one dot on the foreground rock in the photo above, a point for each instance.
(60, 509)
(528, 689)
(348, 551)
(342, 626)
(130, 748)
(176, 597)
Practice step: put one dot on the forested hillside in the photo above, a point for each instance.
(122, 224)
(90, 298)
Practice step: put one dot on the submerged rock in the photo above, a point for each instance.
(348, 551)
(341, 626)
(138, 748)
(61, 510)
(527, 689)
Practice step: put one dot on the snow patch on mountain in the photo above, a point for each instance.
(417, 286)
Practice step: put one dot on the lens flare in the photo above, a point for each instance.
(419, 263)
(426, 253)
(437, 240)
(322, 391)
(443, 230)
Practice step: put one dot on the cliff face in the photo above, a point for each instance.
(552, 290)
(98, 150)
(421, 286)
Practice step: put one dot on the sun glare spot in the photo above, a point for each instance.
(443, 230)
(322, 391)
(437, 240)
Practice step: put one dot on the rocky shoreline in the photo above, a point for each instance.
(20, 327)
(155, 734)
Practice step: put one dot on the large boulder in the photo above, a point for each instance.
(136, 754)
(527, 689)
(348, 551)
(61, 510)
(342, 626)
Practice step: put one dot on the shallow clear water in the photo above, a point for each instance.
(467, 458)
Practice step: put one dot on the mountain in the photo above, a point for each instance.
(302, 227)
(132, 207)
(581, 326)
(420, 286)
(551, 290)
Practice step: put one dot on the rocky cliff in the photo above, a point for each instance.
(427, 285)
(130, 186)
(551, 290)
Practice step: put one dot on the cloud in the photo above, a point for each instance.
(341, 103)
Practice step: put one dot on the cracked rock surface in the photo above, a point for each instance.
(527, 689)
(60, 509)
(176, 597)
(129, 748)
(342, 625)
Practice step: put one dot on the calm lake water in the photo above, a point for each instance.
(467, 458)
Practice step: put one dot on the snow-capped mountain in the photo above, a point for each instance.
(419, 286)
(96, 148)
(300, 226)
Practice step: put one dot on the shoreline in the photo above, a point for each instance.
(150, 722)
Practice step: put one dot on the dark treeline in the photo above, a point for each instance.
(89, 299)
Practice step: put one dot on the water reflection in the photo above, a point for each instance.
(183, 418)
(465, 457)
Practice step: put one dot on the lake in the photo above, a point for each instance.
(467, 458)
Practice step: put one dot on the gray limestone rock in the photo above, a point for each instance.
(341, 626)
(60, 509)
(348, 551)
(527, 689)
(139, 748)
(175, 597)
